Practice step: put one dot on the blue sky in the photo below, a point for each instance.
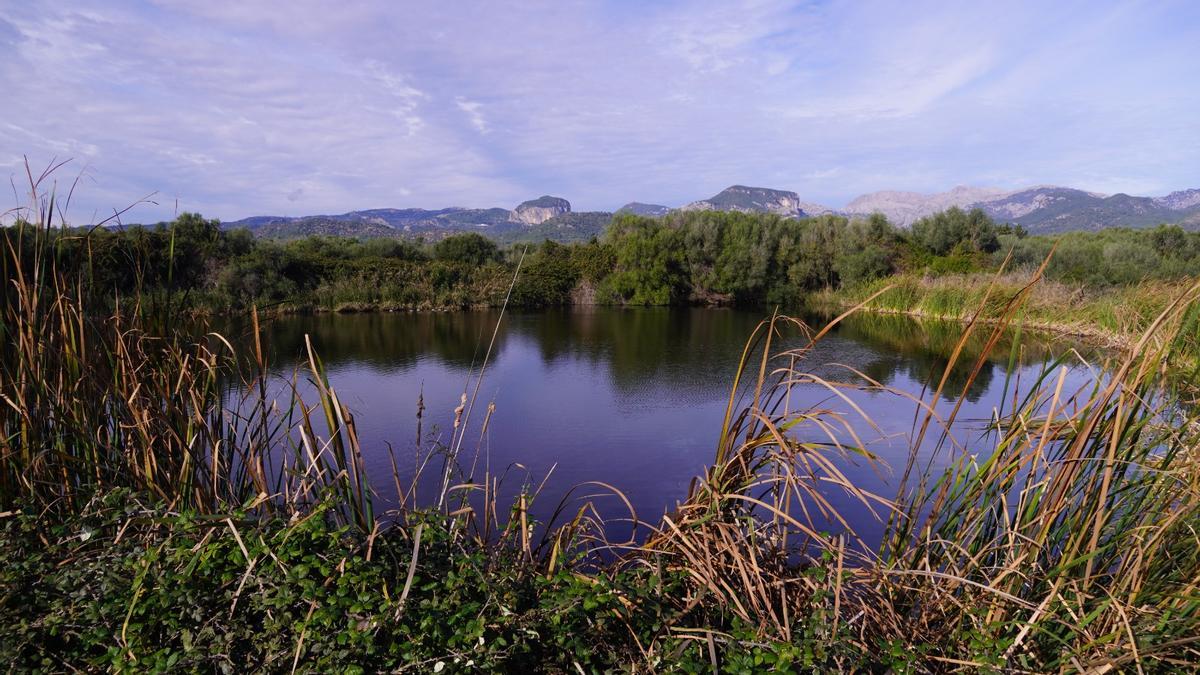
(242, 108)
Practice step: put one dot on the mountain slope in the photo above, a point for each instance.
(642, 209)
(1180, 200)
(431, 224)
(1043, 209)
(1055, 209)
(905, 208)
(576, 226)
(751, 200)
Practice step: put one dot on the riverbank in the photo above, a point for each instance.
(1108, 317)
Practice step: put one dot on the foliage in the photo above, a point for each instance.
(547, 277)
(1116, 256)
(648, 267)
(468, 249)
(955, 229)
(150, 590)
(703, 257)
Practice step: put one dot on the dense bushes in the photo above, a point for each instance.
(744, 258)
(1111, 257)
(126, 585)
(955, 229)
(702, 257)
(469, 249)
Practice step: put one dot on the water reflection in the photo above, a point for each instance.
(681, 349)
(631, 397)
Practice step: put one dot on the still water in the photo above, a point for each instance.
(629, 397)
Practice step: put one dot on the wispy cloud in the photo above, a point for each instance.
(474, 112)
(245, 108)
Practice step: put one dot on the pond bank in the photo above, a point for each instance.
(1114, 318)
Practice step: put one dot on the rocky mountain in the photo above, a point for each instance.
(1042, 209)
(575, 226)
(642, 209)
(431, 224)
(537, 211)
(751, 200)
(1058, 209)
(905, 208)
(1178, 201)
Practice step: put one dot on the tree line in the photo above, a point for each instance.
(706, 257)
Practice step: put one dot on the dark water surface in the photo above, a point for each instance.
(629, 397)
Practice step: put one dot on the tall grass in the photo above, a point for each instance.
(1062, 539)
(1117, 315)
(132, 399)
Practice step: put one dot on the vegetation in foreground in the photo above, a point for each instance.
(150, 523)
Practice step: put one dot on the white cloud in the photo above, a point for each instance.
(244, 108)
(474, 112)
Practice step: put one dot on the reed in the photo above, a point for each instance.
(129, 399)
(1062, 538)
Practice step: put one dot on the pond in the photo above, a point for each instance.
(629, 397)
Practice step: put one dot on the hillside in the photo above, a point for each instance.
(1055, 209)
(294, 228)
(905, 208)
(425, 223)
(576, 226)
(1042, 209)
(751, 200)
(641, 209)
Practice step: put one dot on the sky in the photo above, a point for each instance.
(234, 109)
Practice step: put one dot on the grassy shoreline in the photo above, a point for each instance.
(1113, 318)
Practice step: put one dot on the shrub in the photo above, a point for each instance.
(469, 249)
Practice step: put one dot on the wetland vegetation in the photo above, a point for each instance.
(173, 499)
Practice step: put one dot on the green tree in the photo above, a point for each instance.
(649, 262)
(470, 248)
(945, 231)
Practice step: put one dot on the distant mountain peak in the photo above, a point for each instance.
(538, 211)
(644, 209)
(751, 200)
(1040, 209)
(1180, 199)
(905, 208)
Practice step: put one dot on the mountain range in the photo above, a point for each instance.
(1041, 210)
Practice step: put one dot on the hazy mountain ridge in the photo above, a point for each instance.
(1181, 199)
(643, 209)
(1040, 209)
(905, 208)
(412, 222)
(1058, 209)
(751, 200)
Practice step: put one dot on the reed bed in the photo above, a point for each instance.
(1065, 540)
(1113, 316)
(131, 399)
(1062, 539)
